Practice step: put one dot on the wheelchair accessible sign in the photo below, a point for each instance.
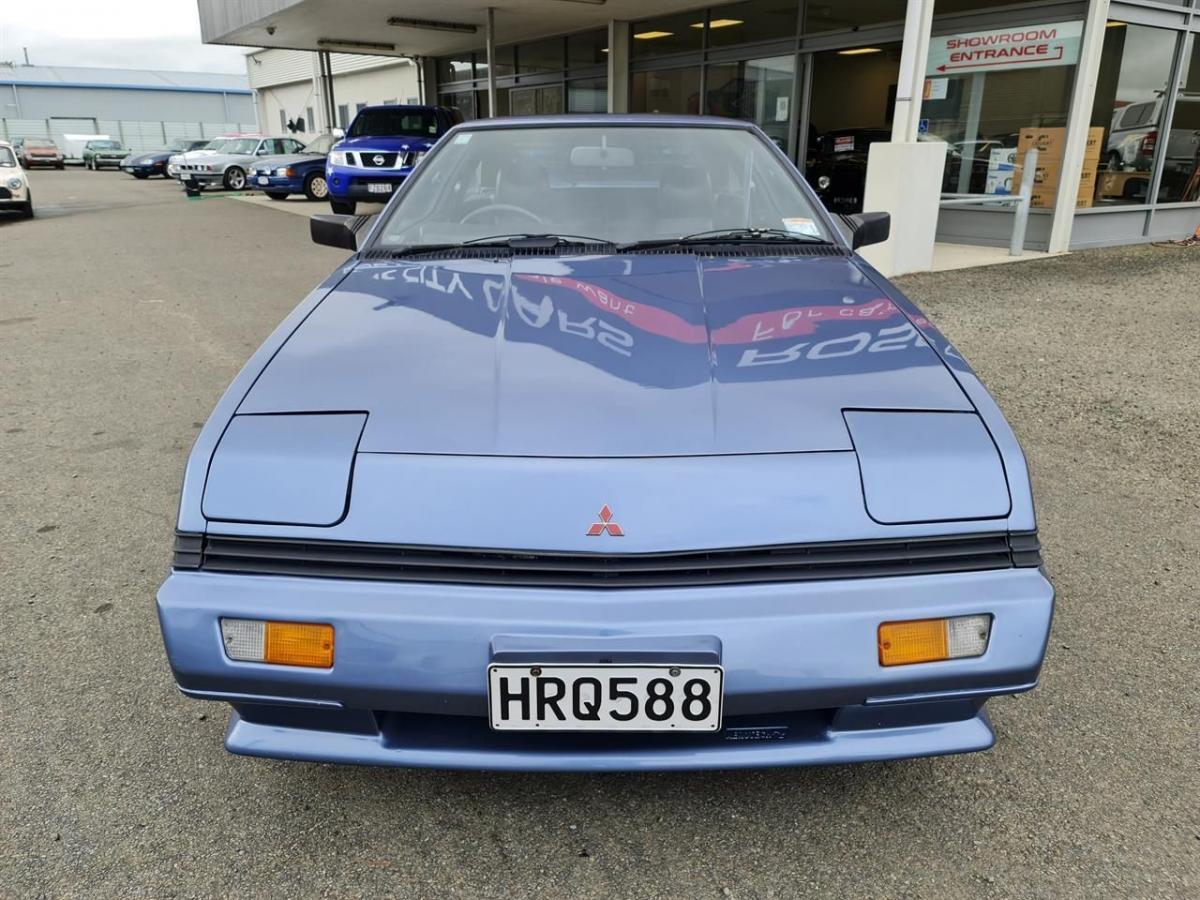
(1005, 49)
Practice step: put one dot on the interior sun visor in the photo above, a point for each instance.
(927, 466)
(286, 469)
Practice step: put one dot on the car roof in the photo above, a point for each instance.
(596, 119)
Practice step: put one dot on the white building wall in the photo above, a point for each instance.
(283, 83)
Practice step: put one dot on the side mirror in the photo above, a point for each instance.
(336, 231)
(868, 228)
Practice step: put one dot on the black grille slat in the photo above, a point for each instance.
(803, 562)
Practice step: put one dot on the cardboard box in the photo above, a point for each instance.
(1050, 143)
(1044, 193)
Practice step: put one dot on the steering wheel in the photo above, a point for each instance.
(501, 207)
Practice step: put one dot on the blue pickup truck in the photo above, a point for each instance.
(380, 149)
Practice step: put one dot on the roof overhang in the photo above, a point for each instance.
(433, 27)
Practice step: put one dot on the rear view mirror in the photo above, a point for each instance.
(336, 231)
(602, 157)
(868, 228)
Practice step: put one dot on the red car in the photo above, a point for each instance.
(37, 152)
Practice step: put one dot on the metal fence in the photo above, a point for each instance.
(137, 136)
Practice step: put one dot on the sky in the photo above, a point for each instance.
(131, 34)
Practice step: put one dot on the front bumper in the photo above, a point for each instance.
(347, 183)
(115, 162)
(31, 161)
(275, 183)
(144, 168)
(803, 682)
(203, 179)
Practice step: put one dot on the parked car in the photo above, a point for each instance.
(605, 450)
(380, 149)
(227, 165)
(99, 154)
(14, 183)
(154, 162)
(210, 148)
(837, 166)
(297, 173)
(33, 151)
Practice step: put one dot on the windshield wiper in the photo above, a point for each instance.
(727, 236)
(518, 241)
(524, 240)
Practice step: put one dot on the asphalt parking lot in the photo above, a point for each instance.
(124, 312)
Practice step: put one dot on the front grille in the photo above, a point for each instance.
(372, 160)
(747, 565)
(5, 193)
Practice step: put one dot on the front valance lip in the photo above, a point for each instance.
(928, 466)
(284, 468)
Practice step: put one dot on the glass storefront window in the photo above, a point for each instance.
(505, 62)
(464, 101)
(753, 20)
(852, 99)
(540, 56)
(546, 100)
(454, 68)
(758, 90)
(841, 15)
(1135, 71)
(587, 95)
(665, 91)
(1181, 165)
(587, 49)
(668, 34)
(989, 119)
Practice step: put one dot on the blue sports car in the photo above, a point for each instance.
(604, 450)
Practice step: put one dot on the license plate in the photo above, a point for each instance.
(534, 697)
(184, 176)
(379, 188)
(263, 179)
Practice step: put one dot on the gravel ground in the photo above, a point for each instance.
(125, 310)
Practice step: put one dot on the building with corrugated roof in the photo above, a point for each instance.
(142, 107)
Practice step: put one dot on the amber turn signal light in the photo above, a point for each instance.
(279, 643)
(932, 640)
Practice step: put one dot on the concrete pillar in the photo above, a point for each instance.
(910, 87)
(618, 66)
(1082, 97)
(904, 177)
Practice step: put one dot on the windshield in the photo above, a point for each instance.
(104, 145)
(384, 122)
(241, 145)
(618, 184)
(321, 145)
(6, 157)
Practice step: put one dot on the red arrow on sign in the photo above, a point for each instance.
(1003, 62)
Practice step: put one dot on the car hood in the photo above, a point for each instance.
(291, 159)
(144, 158)
(387, 144)
(225, 159)
(638, 355)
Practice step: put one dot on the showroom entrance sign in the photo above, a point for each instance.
(1029, 47)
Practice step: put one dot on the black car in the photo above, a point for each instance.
(154, 162)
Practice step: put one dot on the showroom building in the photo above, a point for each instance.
(289, 97)
(1109, 92)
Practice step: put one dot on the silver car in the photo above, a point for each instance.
(226, 165)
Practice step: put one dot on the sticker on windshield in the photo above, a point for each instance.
(463, 139)
(801, 225)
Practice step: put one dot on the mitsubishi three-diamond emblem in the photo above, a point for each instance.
(605, 525)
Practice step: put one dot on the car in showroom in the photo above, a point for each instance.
(380, 149)
(100, 154)
(15, 195)
(35, 151)
(226, 165)
(154, 162)
(605, 450)
(296, 173)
